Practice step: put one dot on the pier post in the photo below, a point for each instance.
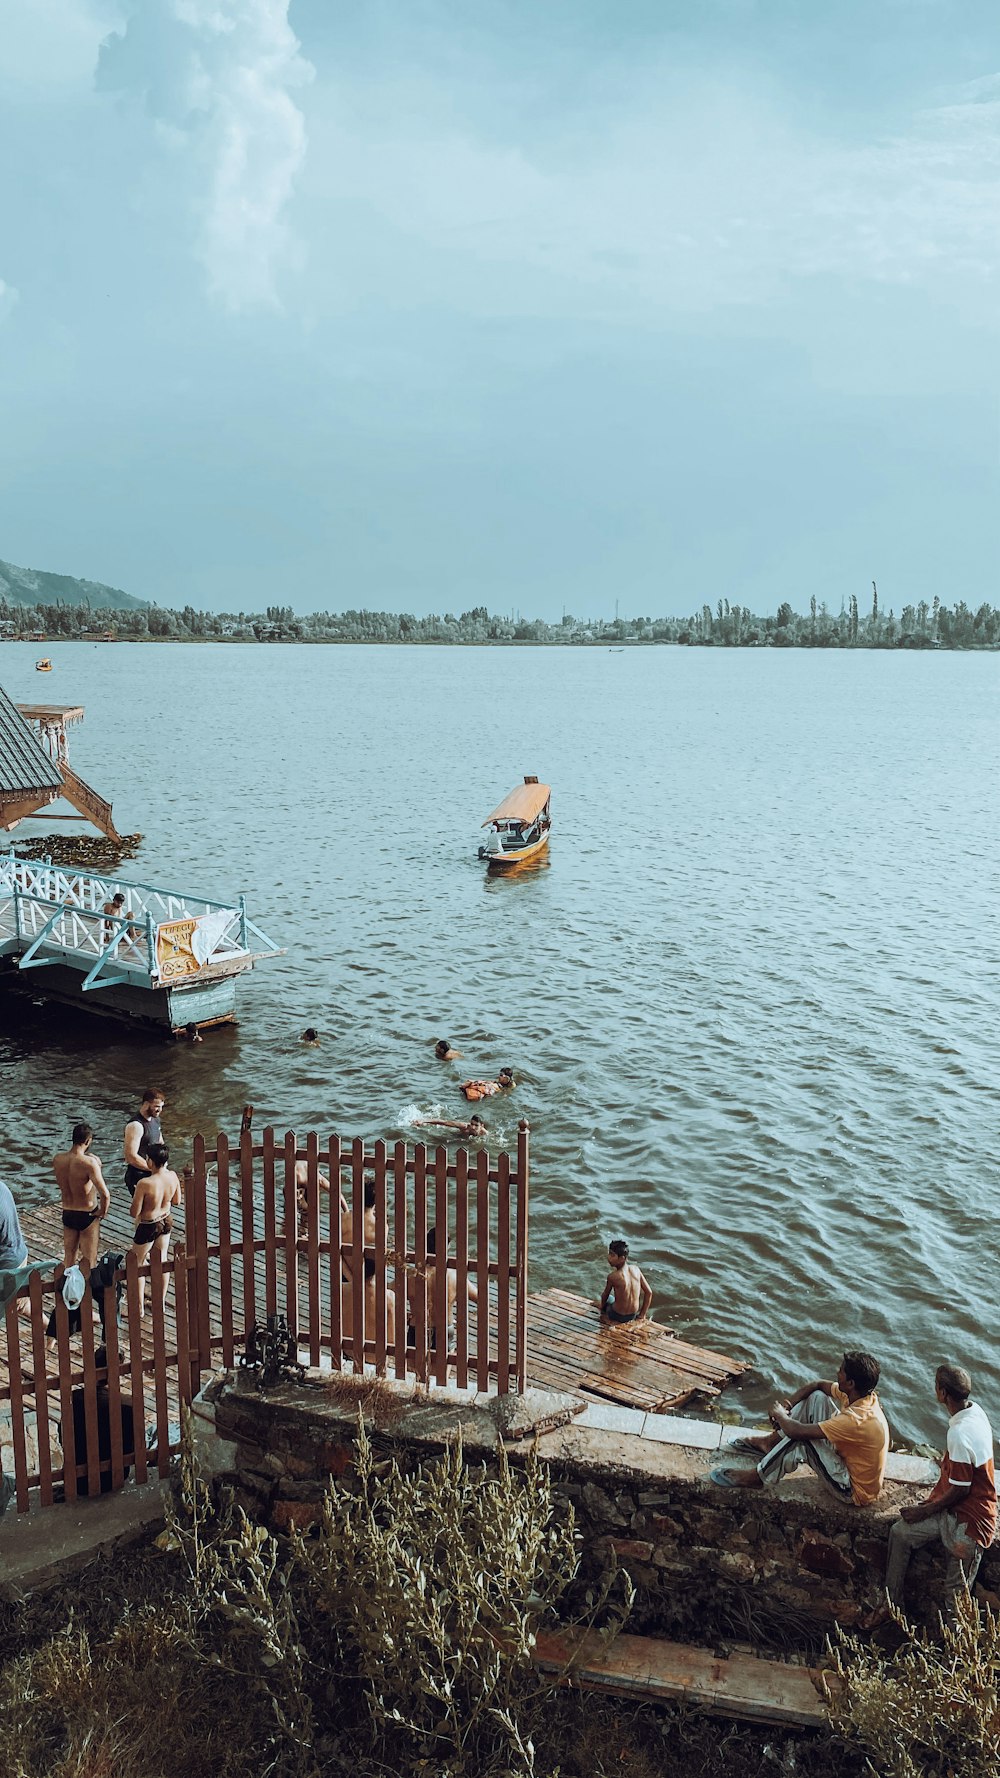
(244, 935)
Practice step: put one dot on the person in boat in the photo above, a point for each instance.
(838, 1428)
(626, 1288)
(485, 1089)
(475, 1126)
(444, 1051)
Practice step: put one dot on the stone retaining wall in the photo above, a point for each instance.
(775, 1569)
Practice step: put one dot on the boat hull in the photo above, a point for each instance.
(505, 861)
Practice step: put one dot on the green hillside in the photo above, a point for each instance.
(32, 586)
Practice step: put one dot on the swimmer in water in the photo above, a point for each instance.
(444, 1051)
(474, 1128)
(311, 1036)
(485, 1089)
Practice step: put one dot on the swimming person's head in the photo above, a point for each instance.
(618, 1253)
(158, 1153)
(310, 1034)
(506, 1077)
(442, 1048)
(477, 1126)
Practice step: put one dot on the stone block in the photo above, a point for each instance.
(654, 1497)
(664, 1526)
(668, 1429)
(873, 1551)
(601, 1507)
(606, 1417)
(736, 1566)
(299, 1514)
(300, 1466)
(631, 1549)
(824, 1557)
(334, 1458)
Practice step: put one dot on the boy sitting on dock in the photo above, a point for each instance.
(626, 1284)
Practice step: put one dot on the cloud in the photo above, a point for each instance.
(673, 192)
(8, 299)
(217, 76)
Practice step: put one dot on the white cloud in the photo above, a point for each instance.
(681, 194)
(218, 76)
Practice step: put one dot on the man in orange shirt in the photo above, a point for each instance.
(838, 1428)
(961, 1509)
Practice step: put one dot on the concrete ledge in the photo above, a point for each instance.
(39, 1548)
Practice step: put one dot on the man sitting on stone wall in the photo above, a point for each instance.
(838, 1428)
(960, 1512)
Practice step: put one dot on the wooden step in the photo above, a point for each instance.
(743, 1686)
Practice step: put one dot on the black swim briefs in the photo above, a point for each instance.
(145, 1232)
(79, 1219)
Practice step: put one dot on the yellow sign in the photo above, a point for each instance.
(174, 950)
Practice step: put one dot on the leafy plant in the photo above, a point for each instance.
(930, 1709)
(433, 1584)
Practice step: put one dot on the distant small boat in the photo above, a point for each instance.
(616, 651)
(519, 827)
(44, 665)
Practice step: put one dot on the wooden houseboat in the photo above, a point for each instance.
(519, 827)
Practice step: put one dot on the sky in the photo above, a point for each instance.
(546, 305)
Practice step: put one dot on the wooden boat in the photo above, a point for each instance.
(519, 827)
(44, 665)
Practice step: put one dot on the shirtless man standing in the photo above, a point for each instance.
(85, 1199)
(626, 1296)
(155, 1195)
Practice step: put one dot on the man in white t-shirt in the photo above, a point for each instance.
(961, 1510)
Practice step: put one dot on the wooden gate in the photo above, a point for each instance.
(438, 1242)
(291, 1226)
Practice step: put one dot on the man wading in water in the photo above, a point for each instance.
(85, 1199)
(140, 1131)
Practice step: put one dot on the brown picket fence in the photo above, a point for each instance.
(275, 1228)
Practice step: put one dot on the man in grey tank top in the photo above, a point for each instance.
(141, 1130)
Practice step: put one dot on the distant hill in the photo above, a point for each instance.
(32, 586)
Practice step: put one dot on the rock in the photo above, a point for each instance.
(631, 1549)
(821, 1556)
(298, 1513)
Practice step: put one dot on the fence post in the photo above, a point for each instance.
(521, 1259)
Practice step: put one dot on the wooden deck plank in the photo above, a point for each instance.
(643, 1365)
(744, 1686)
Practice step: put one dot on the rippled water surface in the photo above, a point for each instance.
(751, 999)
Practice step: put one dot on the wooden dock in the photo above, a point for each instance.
(640, 1365)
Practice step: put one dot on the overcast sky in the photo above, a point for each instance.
(424, 304)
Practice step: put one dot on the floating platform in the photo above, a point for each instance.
(640, 1365)
(167, 959)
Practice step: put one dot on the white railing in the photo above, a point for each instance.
(45, 908)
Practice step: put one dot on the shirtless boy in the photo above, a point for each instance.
(85, 1199)
(155, 1196)
(415, 1284)
(627, 1286)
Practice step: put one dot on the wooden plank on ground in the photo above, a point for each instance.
(743, 1686)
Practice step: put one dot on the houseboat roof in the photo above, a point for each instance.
(523, 804)
(64, 713)
(24, 763)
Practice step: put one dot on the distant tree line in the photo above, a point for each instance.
(921, 625)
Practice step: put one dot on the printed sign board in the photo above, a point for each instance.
(175, 950)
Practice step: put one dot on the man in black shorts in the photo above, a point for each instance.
(85, 1199)
(154, 1198)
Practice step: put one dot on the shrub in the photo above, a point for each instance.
(432, 1584)
(931, 1708)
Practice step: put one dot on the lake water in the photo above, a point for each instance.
(751, 999)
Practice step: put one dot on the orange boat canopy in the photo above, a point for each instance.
(523, 804)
